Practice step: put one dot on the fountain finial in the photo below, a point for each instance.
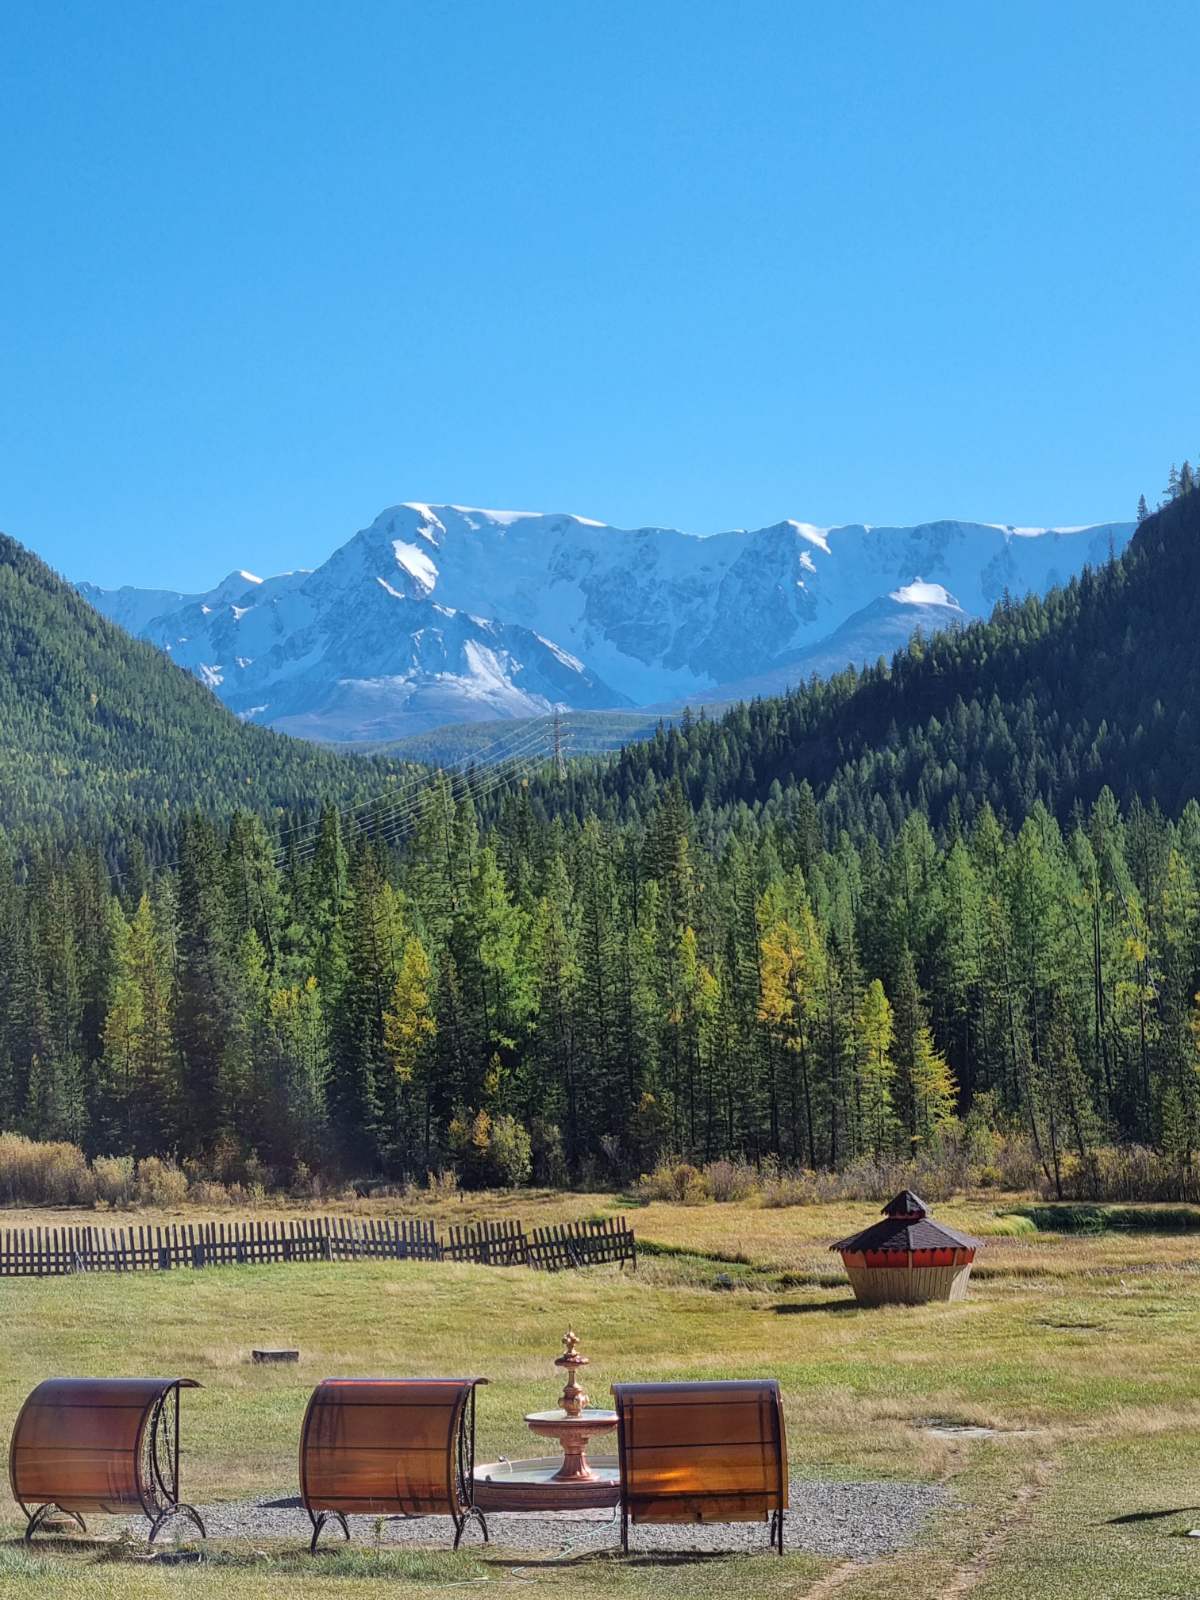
(573, 1398)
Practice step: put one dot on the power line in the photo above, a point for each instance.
(400, 809)
(392, 798)
(401, 806)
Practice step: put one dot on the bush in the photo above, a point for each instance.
(33, 1173)
(114, 1178)
(674, 1180)
(510, 1152)
(730, 1180)
(160, 1183)
(780, 1187)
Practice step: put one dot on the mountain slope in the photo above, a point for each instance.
(98, 727)
(1054, 698)
(879, 629)
(435, 614)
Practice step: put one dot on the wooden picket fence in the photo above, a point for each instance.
(51, 1252)
(582, 1244)
(572, 1244)
(490, 1244)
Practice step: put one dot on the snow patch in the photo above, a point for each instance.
(567, 660)
(415, 562)
(486, 667)
(809, 531)
(920, 593)
(504, 519)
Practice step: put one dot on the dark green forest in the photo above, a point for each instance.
(1092, 686)
(820, 929)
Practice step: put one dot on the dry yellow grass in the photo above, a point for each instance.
(1074, 1347)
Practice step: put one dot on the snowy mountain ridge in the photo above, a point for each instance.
(441, 613)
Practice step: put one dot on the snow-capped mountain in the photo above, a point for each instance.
(437, 614)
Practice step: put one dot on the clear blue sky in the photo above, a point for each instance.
(269, 267)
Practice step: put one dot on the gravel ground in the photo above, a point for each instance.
(861, 1520)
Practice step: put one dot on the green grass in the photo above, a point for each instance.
(1077, 1348)
(1084, 1217)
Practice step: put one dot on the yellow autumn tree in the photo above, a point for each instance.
(408, 1022)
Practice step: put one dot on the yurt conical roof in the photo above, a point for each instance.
(906, 1226)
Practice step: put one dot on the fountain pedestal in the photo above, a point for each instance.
(551, 1483)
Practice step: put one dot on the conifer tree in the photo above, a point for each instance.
(875, 1068)
(409, 1028)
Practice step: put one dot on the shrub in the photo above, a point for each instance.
(674, 1180)
(783, 1188)
(441, 1185)
(114, 1180)
(730, 1180)
(44, 1174)
(160, 1183)
(510, 1152)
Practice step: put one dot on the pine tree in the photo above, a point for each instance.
(362, 1089)
(203, 998)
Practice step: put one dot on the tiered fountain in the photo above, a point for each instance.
(557, 1483)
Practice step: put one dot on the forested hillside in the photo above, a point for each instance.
(523, 986)
(101, 737)
(1093, 686)
(577, 1001)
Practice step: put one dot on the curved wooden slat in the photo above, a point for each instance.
(81, 1444)
(388, 1446)
(702, 1452)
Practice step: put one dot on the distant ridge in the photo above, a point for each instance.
(433, 615)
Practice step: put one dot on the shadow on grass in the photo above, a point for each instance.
(635, 1558)
(788, 1308)
(1133, 1517)
(50, 1544)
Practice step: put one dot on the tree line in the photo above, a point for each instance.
(571, 1000)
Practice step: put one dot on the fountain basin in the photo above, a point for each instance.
(534, 1485)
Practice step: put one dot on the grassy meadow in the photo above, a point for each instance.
(1078, 1349)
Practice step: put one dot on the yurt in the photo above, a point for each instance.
(907, 1258)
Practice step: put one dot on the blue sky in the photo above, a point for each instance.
(270, 267)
